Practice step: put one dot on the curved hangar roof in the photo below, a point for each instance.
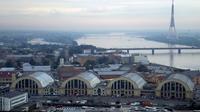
(184, 79)
(91, 78)
(136, 78)
(137, 81)
(43, 78)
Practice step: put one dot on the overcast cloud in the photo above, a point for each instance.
(97, 14)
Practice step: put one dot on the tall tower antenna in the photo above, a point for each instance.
(172, 35)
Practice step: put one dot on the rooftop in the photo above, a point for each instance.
(10, 69)
(183, 78)
(12, 94)
(111, 73)
(90, 77)
(135, 77)
(110, 67)
(43, 78)
(29, 67)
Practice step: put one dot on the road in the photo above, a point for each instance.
(107, 99)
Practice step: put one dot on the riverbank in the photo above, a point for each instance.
(189, 59)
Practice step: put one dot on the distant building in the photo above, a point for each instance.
(117, 58)
(26, 67)
(194, 75)
(87, 51)
(22, 58)
(4, 89)
(155, 78)
(196, 79)
(1, 43)
(7, 76)
(52, 89)
(125, 58)
(100, 89)
(109, 75)
(62, 62)
(83, 58)
(12, 99)
(141, 59)
(109, 67)
(159, 69)
(67, 71)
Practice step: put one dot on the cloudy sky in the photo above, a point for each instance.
(97, 14)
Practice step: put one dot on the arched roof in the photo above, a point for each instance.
(43, 78)
(136, 78)
(89, 77)
(186, 80)
(26, 64)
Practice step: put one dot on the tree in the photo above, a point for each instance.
(89, 64)
(45, 62)
(32, 61)
(18, 63)
(142, 68)
(9, 63)
(76, 63)
(103, 60)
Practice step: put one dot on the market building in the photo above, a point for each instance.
(176, 86)
(34, 84)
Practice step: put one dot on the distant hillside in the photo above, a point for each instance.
(18, 38)
(184, 38)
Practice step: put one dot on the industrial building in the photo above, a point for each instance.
(129, 84)
(34, 84)
(7, 76)
(176, 86)
(13, 99)
(27, 67)
(81, 84)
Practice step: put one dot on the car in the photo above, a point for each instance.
(83, 101)
(135, 104)
(77, 102)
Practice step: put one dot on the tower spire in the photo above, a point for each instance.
(172, 29)
(172, 35)
(172, 24)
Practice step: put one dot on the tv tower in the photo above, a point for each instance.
(172, 35)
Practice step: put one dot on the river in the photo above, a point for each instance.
(188, 59)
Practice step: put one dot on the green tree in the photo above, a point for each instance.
(103, 60)
(9, 63)
(89, 64)
(142, 68)
(32, 62)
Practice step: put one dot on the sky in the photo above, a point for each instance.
(75, 15)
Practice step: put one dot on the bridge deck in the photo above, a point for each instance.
(156, 48)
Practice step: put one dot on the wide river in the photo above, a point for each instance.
(188, 59)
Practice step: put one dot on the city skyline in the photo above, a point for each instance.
(97, 15)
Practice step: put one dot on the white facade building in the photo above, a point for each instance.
(12, 99)
(141, 59)
(30, 68)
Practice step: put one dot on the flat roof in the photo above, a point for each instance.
(10, 69)
(111, 72)
(12, 94)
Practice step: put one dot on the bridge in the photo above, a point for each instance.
(179, 49)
